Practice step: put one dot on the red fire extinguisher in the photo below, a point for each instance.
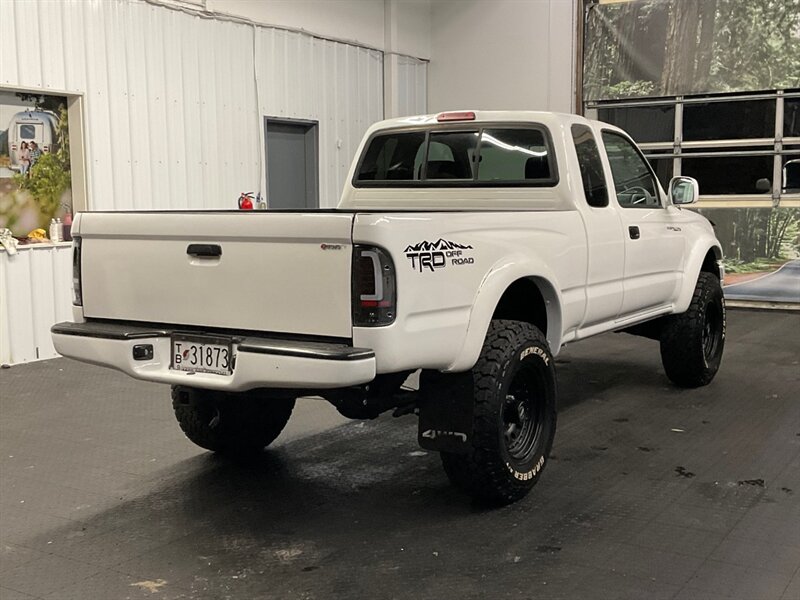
(246, 201)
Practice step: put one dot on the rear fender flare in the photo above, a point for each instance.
(497, 281)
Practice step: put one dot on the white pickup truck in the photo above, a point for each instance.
(469, 245)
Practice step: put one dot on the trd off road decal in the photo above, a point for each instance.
(438, 254)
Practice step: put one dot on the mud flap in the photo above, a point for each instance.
(446, 409)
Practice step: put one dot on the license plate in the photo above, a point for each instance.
(200, 354)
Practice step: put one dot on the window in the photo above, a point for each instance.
(643, 123)
(392, 157)
(513, 155)
(633, 180)
(729, 174)
(791, 117)
(451, 154)
(518, 156)
(591, 167)
(731, 143)
(729, 120)
(27, 132)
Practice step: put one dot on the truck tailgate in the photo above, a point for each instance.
(277, 272)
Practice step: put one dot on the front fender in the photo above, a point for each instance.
(492, 288)
(691, 272)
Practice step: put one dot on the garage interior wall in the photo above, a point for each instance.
(502, 55)
(174, 91)
(174, 101)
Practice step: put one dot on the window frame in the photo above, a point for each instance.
(780, 146)
(661, 204)
(462, 126)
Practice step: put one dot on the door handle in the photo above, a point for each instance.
(633, 231)
(204, 250)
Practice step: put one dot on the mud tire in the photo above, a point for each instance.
(514, 378)
(692, 342)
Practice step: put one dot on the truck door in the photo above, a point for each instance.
(654, 243)
(603, 226)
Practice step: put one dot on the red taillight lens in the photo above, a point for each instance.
(374, 294)
(466, 115)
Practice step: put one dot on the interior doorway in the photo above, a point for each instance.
(292, 163)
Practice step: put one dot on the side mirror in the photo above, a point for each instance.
(683, 190)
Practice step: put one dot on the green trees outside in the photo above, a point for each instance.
(755, 239)
(673, 47)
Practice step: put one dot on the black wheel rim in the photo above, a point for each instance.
(522, 414)
(712, 330)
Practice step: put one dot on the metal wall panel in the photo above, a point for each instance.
(336, 84)
(412, 86)
(173, 111)
(172, 116)
(170, 105)
(35, 292)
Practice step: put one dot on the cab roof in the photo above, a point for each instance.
(480, 116)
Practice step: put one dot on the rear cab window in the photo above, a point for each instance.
(491, 155)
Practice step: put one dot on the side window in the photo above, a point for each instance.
(633, 181)
(591, 167)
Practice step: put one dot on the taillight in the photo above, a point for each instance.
(374, 293)
(77, 294)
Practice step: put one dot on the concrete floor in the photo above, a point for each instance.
(652, 492)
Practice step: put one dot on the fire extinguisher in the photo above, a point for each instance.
(246, 201)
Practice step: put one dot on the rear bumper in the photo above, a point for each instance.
(261, 362)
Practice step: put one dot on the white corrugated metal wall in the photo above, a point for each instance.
(173, 111)
(35, 292)
(337, 84)
(170, 97)
(412, 86)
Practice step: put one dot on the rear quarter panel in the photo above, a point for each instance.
(444, 304)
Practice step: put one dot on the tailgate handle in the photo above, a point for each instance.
(206, 250)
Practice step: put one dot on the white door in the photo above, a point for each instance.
(654, 242)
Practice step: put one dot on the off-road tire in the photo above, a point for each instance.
(233, 424)
(692, 342)
(515, 356)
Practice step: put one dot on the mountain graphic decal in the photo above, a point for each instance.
(440, 244)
